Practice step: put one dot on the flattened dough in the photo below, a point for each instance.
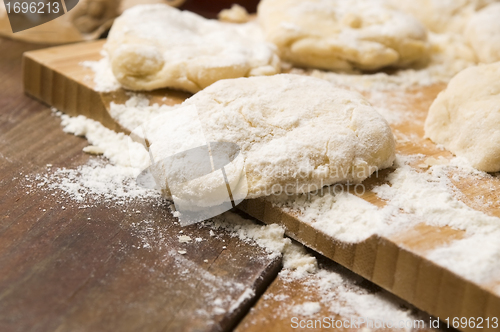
(296, 134)
(483, 33)
(341, 34)
(442, 15)
(157, 46)
(465, 117)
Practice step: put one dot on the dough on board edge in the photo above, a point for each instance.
(465, 117)
(296, 135)
(441, 16)
(158, 46)
(483, 33)
(340, 35)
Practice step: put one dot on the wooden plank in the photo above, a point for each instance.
(397, 262)
(275, 309)
(88, 268)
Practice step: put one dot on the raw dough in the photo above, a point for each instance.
(296, 135)
(157, 46)
(340, 34)
(483, 33)
(442, 15)
(236, 14)
(465, 117)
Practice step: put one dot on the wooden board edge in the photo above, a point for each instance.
(424, 284)
(57, 90)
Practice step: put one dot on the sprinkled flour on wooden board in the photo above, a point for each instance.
(411, 197)
(99, 181)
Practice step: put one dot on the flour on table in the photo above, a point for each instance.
(411, 197)
(136, 111)
(117, 147)
(104, 80)
(307, 309)
(96, 181)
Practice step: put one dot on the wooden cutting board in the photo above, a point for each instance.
(396, 263)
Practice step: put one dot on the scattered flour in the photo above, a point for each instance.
(307, 309)
(117, 147)
(96, 181)
(343, 297)
(272, 239)
(104, 80)
(411, 197)
(136, 111)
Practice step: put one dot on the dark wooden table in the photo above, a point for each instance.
(84, 269)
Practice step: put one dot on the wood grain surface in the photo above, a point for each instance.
(108, 267)
(397, 262)
(275, 309)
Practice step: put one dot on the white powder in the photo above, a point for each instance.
(117, 147)
(184, 239)
(343, 297)
(475, 257)
(104, 80)
(136, 111)
(96, 181)
(411, 197)
(430, 197)
(270, 237)
(333, 292)
(307, 309)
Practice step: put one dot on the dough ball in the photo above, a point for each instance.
(442, 15)
(158, 46)
(337, 34)
(296, 134)
(235, 14)
(465, 117)
(483, 33)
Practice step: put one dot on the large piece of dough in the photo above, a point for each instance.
(465, 117)
(157, 46)
(341, 34)
(296, 135)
